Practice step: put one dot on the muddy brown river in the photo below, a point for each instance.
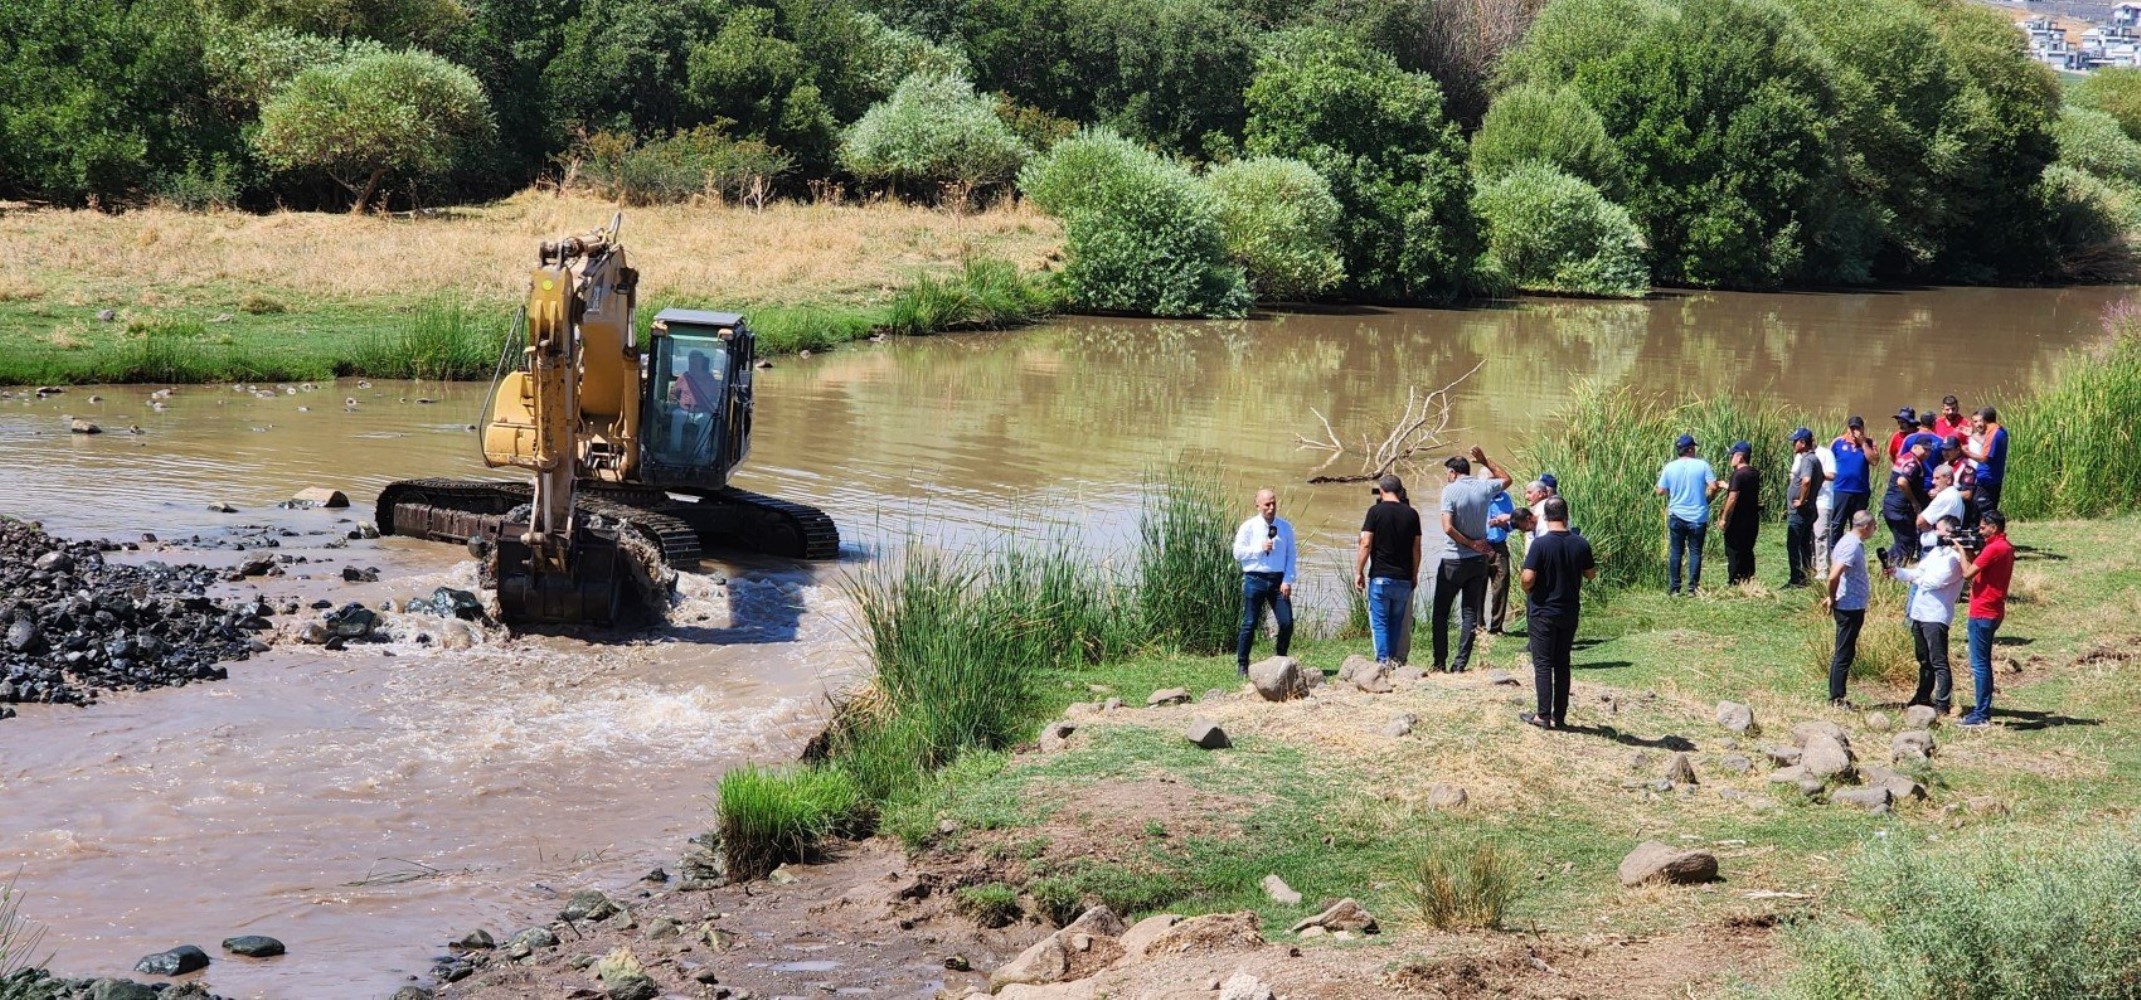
(365, 805)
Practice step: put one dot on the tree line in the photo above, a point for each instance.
(1203, 154)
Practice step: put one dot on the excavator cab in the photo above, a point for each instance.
(696, 427)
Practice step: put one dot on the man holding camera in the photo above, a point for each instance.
(1988, 574)
(1264, 546)
(1935, 582)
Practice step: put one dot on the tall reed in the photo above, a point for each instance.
(18, 941)
(2073, 448)
(768, 817)
(1611, 445)
(440, 341)
(985, 295)
(1188, 585)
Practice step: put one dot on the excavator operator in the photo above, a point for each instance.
(696, 395)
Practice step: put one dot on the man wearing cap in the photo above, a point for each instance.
(1855, 454)
(1800, 495)
(1387, 565)
(1687, 483)
(1952, 455)
(1501, 519)
(1903, 499)
(1264, 546)
(1906, 425)
(1741, 519)
(1462, 575)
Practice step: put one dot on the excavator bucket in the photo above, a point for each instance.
(591, 594)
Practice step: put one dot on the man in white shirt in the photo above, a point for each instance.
(1264, 546)
(1824, 501)
(1936, 581)
(1535, 495)
(1947, 502)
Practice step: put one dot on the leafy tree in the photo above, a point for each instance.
(1549, 231)
(358, 120)
(1141, 233)
(2092, 141)
(1722, 110)
(394, 22)
(620, 64)
(1531, 123)
(2115, 91)
(2001, 144)
(750, 74)
(933, 130)
(1280, 223)
(1376, 132)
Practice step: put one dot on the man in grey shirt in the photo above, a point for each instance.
(1463, 570)
(1845, 597)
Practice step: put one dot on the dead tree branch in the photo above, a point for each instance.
(1418, 429)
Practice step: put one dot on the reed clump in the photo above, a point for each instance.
(20, 977)
(1188, 585)
(984, 295)
(2073, 450)
(1462, 887)
(440, 341)
(769, 817)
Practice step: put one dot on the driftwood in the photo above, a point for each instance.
(1418, 428)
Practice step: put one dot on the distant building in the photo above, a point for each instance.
(2048, 43)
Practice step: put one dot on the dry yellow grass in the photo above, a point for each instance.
(789, 253)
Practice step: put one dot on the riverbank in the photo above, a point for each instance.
(163, 295)
(1327, 794)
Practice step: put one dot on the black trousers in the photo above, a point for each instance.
(1848, 625)
(1739, 556)
(1552, 640)
(1841, 507)
(1466, 578)
(1935, 682)
(1799, 545)
(1987, 496)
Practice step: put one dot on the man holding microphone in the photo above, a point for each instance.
(1264, 546)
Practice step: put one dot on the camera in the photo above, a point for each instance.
(1966, 539)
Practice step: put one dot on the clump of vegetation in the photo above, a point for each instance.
(1280, 223)
(20, 976)
(985, 295)
(440, 341)
(358, 120)
(690, 163)
(1141, 233)
(991, 905)
(256, 304)
(1537, 124)
(1996, 919)
(767, 818)
(1548, 231)
(932, 132)
(2070, 454)
(1457, 887)
(1188, 591)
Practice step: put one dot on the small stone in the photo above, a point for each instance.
(1734, 716)
(1278, 678)
(77, 425)
(176, 962)
(1681, 771)
(1502, 678)
(1345, 915)
(1782, 756)
(475, 940)
(411, 993)
(1447, 797)
(1901, 787)
(1872, 799)
(1276, 889)
(253, 946)
(1111, 704)
(533, 937)
(1365, 675)
(321, 496)
(1139, 938)
(957, 963)
(1056, 735)
(223, 507)
(1736, 763)
(107, 315)
(1912, 745)
(1401, 726)
(1804, 730)
(1652, 861)
(117, 989)
(662, 929)
(1878, 721)
(1920, 717)
(1168, 696)
(1207, 734)
(1243, 986)
(1826, 757)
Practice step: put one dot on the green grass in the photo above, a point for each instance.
(1189, 587)
(769, 817)
(992, 904)
(986, 295)
(2073, 450)
(21, 975)
(1458, 886)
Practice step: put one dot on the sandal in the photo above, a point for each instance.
(1535, 719)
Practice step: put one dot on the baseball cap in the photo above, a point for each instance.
(1857, 423)
(1955, 442)
(1547, 479)
(1802, 434)
(1686, 441)
(1742, 447)
(1390, 484)
(1906, 413)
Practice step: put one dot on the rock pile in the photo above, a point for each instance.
(72, 625)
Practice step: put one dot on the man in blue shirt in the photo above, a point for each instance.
(1500, 512)
(1988, 445)
(1851, 484)
(1687, 483)
(1264, 546)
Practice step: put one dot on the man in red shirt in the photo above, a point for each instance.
(1906, 425)
(1988, 574)
(1951, 420)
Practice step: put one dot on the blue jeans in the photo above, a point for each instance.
(1685, 536)
(1387, 600)
(1982, 631)
(1257, 590)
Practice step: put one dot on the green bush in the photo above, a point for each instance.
(1462, 888)
(439, 342)
(1141, 233)
(1188, 586)
(985, 295)
(934, 130)
(2092, 141)
(1548, 231)
(690, 163)
(2071, 453)
(1532, 123)
(1281, 225)
(1395, 164)
(1998, 919)
(2115, 91)
(358, 120)
(2089, 219)
(769, 817)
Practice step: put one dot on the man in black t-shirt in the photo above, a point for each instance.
(1555, 567)
(1742, 517)
(1387, 566)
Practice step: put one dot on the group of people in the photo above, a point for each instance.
(1472, 571)
(1940, 500)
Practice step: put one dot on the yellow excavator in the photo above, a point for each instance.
(630, 441)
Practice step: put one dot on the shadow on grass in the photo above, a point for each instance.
(2029, 722)
(1678, 744)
